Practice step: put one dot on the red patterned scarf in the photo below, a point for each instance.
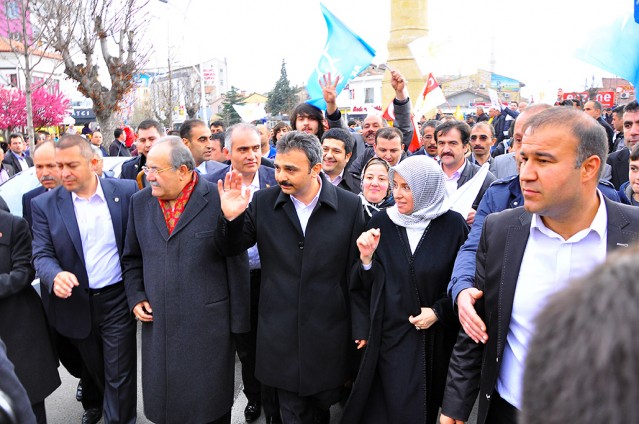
(172, 214)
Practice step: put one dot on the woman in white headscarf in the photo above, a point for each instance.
(403, 316)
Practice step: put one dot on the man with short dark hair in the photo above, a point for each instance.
(617, 126)
(304, 345)
(481, 140)
(337, 145)
(189, 298)
(79, 230)
(217, 127)
(619, 160)
(15, 156)
(148, 132)
(118, 145)
(218, 152)
(593, 108)
(428, 143)
(452, 141)
(526, 254)
(198, 138)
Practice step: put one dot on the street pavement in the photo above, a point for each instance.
(62, 408)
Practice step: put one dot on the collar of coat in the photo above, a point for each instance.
(328, 195)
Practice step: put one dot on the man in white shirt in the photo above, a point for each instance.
(79, 230)
(526, 254)
(15, 156)
(453, 138)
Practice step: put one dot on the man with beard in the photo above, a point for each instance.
(304, 346)
(429, 145)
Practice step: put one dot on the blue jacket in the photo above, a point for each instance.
(625, 194)
(501, 195)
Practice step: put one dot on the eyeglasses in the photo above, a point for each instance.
(153, 171)
(482, 137)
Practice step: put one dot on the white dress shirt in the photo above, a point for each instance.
(337, 179)
(253, 253)
(101, 256)
(548, 264)
(304, 211)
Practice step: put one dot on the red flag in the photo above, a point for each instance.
(389, 115)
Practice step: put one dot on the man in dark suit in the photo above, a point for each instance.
(188, 297)
(96, 140)
(118, 145)
(453, 138)
(23, 325)
(337, 145)
(244, 151)
(619, 160)
(526, 254)
(594, 109)
(305, 232)
(79, 233)
(148, 132)
(6, 170)
(197, 136)
(49, 176)
(15, 157)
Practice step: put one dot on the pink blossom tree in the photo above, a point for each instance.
(48, 108)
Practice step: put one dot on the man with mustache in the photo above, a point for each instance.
(481, 140)
(305, 232)
(243, 145)
(188, 297)
(452, 141)
(429, 145)
(79, 232)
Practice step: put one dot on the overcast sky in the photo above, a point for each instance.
(535, 40)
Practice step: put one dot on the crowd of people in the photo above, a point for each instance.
(339, 266)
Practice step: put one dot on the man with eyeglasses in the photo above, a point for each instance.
(481, 140)
(188, 297)
(148, 132)
(197, 136)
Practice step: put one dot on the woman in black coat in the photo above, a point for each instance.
(23, 326)
(407, 257)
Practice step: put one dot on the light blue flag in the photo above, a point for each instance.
(615, 48)
(637, 11)
(345, 54)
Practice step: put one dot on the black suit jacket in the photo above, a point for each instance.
(132, 167)
(499, 255)
(118, 148)
(57, 247)
(610, 133)
(304, 328)
(11, 160)
(265, 174)
(619, 162)
(350, 182)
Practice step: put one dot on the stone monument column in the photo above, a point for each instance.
(408, 22)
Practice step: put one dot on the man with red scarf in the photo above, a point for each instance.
(188, 297)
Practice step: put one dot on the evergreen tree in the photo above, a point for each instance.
(282, 99)
(229, 115)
